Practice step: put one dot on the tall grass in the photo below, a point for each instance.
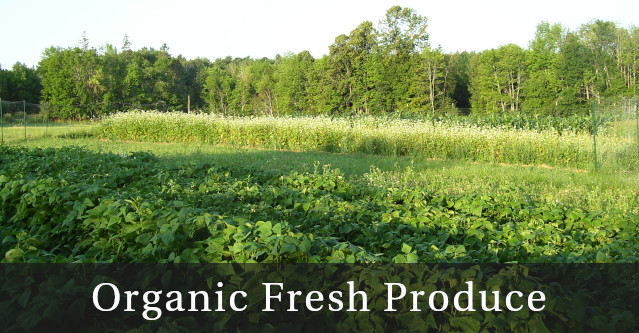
(370, 135)
(16, 134)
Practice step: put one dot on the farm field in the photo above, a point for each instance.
(379, 183)
(123, 200)
(71, 194)
(580, 188)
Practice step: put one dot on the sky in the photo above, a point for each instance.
(254, 28)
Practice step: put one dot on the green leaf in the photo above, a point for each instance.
(166, 278)
(167, 237)
(14, 255)
(406, 248)
(266, 229)
(143, 238)
(78, 307)
(412, 258)
(23, 300)
(305, 246)
(399, 259)
(9, 239)
(600, 323)
(288, 247)
(277, 229)
(467, 324)
(28, 319)
(345, 228)
(536, 324)
(53, 311)
(601, 257)
(100, 244)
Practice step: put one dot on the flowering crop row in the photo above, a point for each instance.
(369, 135)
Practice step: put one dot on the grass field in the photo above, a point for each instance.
(18, 135)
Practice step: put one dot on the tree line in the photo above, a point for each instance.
(388, 68)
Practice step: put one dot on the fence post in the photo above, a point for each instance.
(594, 135)
(637, 120)
(46, 111)
(1, 122)
(24, 112)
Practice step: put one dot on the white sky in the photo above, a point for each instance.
(239, 28)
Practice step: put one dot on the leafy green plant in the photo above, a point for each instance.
(73, 205)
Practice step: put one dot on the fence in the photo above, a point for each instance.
(615, 126)
(27, 115)
(12, 114)
(96, 110)
(618, 147)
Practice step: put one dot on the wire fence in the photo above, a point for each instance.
(615, 134)
(96, 110)
(614, 131)
(36, 119)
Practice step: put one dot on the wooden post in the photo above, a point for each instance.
(188, 104)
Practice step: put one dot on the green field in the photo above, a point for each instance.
(488, 190)
(16, 134)
(118, 199)
(81, 194)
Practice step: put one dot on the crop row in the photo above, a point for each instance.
(396, 137)
(569, 124)
(72, 205)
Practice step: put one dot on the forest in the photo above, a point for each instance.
(375, 69)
